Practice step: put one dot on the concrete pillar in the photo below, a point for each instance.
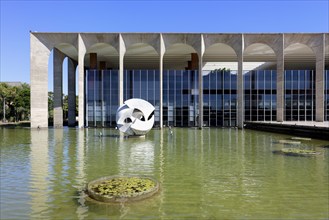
(280, 82)
(58, 88)
(162, 52)
(39, 55)
(240, 91)
(71, 92)
(122, 50)
(200, 65)
(82, 52)
(319, 80)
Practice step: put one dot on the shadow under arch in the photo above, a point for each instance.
(141, 56)
(180, 86)
(104, 53)
(299, 56)
(101, 74)
(141, 77)
(219, 74)
(260, 77)
(299, 81)
(61, 65)
(179, 56)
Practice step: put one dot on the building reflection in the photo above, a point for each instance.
(39, 162)
(136, 156)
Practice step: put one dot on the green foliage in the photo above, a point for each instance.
(123, 187)
(65, 106)
(220, 70)
(15, 100)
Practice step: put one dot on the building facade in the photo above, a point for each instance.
(193, 80)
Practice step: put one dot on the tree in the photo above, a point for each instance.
(51, 105)
(4, 91)
(22, 102)
(65, 106)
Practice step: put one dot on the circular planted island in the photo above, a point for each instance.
(122, 188)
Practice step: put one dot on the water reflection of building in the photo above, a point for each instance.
(39, 183)
(169, 71)
(136, 157)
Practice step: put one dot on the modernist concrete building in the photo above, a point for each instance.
(192, 79)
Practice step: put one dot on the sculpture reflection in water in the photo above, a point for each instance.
(135, 117)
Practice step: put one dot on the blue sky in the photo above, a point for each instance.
(19, 17)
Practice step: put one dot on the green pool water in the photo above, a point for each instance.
(204, 174)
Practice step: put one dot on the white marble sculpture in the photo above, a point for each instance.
(135, 117)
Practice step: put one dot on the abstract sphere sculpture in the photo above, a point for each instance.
(135, 117)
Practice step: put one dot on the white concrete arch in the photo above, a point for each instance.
(314, 41)
(177, 56)
(137, 53)
(153, 40)
(51, 40)
(260, 56)
(299, 56)
(57, 74)
(232, 40)
(219, 52)
(193, 40)
(41, 46)
(105, 52)
(91, 39)
(274, 41)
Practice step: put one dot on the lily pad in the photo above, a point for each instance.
(122, 188)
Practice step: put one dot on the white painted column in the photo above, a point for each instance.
(162, 52)
(39, 56)
(71, 92)
(58, 88)
(122, 51)
(202, 48)
(82, 52)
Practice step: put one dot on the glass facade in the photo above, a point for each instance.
(181, 92)
(299, 95)
(220, 98)
(180, 98)
(260, 95)
(143, 84)
(102, 97)
(326, 95)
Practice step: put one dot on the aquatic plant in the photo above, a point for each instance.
(113, 189)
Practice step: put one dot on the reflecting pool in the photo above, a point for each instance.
(204, 174)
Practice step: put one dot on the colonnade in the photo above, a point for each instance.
(76, 45)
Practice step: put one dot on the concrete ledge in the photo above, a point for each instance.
(316, 130)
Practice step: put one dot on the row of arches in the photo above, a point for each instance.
(137, 54)
(182, 53)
